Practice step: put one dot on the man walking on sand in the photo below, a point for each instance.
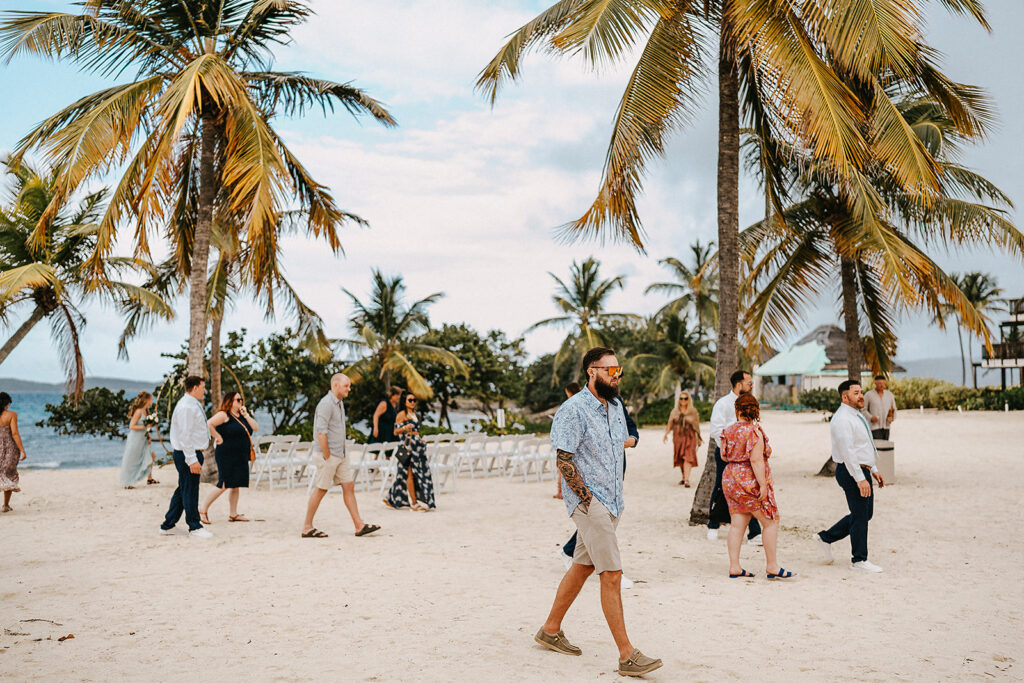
(589, 433)
(880, 409)
(853, 449)
(723, 414)
(329, 432)
(189, 436)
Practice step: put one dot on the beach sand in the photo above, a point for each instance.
(457, 594)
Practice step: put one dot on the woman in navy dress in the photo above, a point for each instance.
(231, 428)
(413, 487)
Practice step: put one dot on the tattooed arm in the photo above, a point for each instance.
(573, 478)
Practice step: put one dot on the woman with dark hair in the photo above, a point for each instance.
(12, 451)
(383, 424)
(134, 464)
(413, 487)
(748, 487)
(231, 428)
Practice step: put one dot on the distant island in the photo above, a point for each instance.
(130, 386)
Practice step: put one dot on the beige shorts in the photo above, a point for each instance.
(596, 544)
(333, 471)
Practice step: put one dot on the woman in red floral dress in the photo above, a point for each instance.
(747, 485)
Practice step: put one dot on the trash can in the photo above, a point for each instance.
(886, 460)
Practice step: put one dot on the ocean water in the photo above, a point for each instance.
(47, 449)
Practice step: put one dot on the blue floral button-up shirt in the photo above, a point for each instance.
(595, 435)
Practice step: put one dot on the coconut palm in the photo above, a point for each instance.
(48, 276)
(982, 291)
(690, 291)
(582, 302)
(679, 354)
(190, 129)
(797, 257)
(780, 61)
(385, 328)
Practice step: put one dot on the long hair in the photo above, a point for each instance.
(228, 401)
(139, 401)
(691, 412)
(5, 401)
(401, 404)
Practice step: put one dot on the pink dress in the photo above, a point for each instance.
(738, 481)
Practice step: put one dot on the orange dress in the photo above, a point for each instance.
(738, 481)
(684, 444)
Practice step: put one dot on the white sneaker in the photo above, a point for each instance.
(166, 532)
(627, 583)
(756, 540)
(200, 533)
(825, 547)
(566, 560)
(712, 534)
(866, 566)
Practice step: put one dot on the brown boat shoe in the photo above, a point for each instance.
(638, 664)
(557, 642)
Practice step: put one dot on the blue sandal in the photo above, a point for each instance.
(743, 574)
(783, 574)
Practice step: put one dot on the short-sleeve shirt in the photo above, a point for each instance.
(329, 419)
(596, 437)
(879, 406)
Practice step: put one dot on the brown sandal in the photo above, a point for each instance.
(237, 518)
(204, 517)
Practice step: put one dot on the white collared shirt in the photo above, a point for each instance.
(852, 444)
(723, 415)
(189, 431)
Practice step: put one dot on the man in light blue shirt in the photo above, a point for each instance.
(589, 434)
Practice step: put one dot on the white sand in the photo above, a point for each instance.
(458, 594)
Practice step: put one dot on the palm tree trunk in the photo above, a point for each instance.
(19, 334)
(728, 256)
(854, 350)
(201, 247)
(963, 360)
(209, 474)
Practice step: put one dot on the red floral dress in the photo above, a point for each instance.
(738, 481)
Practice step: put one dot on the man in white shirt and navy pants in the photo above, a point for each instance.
(190, 435)
(853, 449)
(723, 414)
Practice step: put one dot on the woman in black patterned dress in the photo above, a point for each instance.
(413, 487)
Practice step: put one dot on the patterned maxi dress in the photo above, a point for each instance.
(9, 455)
(738, 481)
(414, 449)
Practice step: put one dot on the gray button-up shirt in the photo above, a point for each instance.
(329, 419)
(595, 435)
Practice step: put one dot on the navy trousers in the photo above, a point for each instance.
(718, 513)
(186, 496)
(855, 524)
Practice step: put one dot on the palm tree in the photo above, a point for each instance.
(690, 291)
(191, 130)
(780, 60)
(795, 258)
(582, 303)
(679, 354)
(385, 328)
(982, 291)
(48, 276)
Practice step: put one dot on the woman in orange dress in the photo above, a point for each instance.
(684, 423)
(747, 485)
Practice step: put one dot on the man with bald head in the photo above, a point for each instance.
(329, 432)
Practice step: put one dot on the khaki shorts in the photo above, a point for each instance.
(333, 471)
(596, 544)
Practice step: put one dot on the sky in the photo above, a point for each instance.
(463, 198)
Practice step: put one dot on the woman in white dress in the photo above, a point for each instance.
(134, 464)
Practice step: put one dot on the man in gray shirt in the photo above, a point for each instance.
(329, 432)
(879, 409)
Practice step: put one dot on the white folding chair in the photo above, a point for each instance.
(276, 459)
(443, 467)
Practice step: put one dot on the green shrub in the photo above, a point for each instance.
(934, 393)
(514, 424)
(657, 412)
(820, 399)
(912, 392)
(428, 430)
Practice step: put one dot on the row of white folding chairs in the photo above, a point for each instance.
(274, 459)
(531, 455)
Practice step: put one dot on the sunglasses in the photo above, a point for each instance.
(410, 400)
(613, 370)
(684, 398)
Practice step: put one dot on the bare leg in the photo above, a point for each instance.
(314, 502)
(7, 498)
(233, 501)
(737, 528)
(214, 495)
(611, 604)
(411, 485)
(348, 490)
(568, 589)
(686, 472)
(770, 538)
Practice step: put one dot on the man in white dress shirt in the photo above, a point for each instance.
(190, 434)
(853, 449)
(723, 414)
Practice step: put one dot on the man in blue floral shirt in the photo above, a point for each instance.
(589, 433)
